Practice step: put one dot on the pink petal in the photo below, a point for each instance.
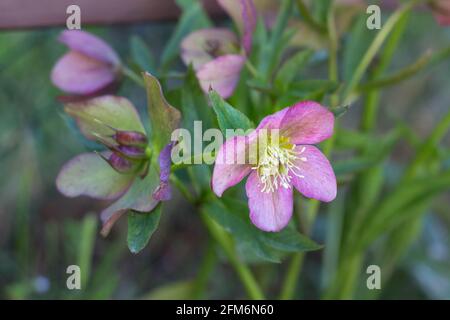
(269, 211)
(307, 123)
(319, 181)
(89, 45)
(244, 15)
(221, 74)
(88, 174)
(228, 170)
(273, 121)
(442, 20)
(78, 74)
(249, 17)
(202, 46)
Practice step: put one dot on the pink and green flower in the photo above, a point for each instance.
(90, 66)
(286, 159)
(216, 54)
(134, 170)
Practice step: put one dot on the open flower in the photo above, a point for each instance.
(90, 66)
(285, 158)
(216, 54)
(127, 172)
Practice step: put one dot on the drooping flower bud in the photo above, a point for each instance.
(89, 67)
(130, 138)
(119, 163)
(131, 152)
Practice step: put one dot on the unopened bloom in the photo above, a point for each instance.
(107, 174)
(134, 169)
(216, 53)
(90, 66)
(284, 160)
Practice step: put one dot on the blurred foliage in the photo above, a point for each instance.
(391, 212)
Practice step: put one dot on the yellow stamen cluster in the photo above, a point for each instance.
(277, 165)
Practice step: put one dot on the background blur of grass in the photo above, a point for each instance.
(41, 232)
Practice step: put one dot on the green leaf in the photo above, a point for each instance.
(86, 238)
(192, 18)
(353, 165)
(307, 90)
(141, 227)
(227, 116)
(349, 139)
(308, 37)
(193, 104)
(339, 111)
(399, 206)
(233, 216)
(163, 117)
(139, 197)
(359, 41)
(291, 69)
(195, 108)
(321, 9)
(249, 244)
(271, 51)
(142, 55)
(106, 278)
(290, 240)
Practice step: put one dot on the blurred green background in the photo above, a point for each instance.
(42, 232)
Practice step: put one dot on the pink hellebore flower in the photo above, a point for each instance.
(214, 53)
(90, 65)
(290, 160)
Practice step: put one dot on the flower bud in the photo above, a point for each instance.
(131, 152)
(119, 163)
(90, 67)
(130, 138)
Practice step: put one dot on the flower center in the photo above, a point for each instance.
(212, 47)
(277, 165)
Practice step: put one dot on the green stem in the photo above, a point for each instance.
(309, 19)
(206, 267)
(252, 69)
(399, 76)
(182, 188)
(348, 272)
(133, 76)
(291, 279)
(295, 266)
(226, 243)
(267, 64)
(333, 40)
(223, 239)
(375, 47)
(427, 148)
